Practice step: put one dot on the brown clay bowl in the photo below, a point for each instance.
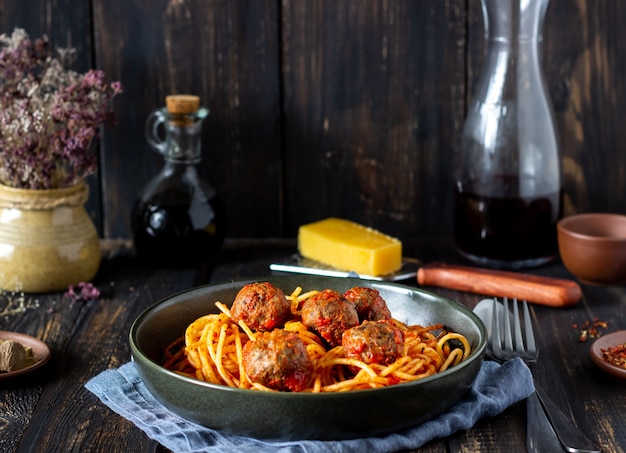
(593, 247)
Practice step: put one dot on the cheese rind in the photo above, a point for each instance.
(349, 246)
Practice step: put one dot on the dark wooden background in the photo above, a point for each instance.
(332, 107)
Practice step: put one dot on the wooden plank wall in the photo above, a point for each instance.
(332, 107)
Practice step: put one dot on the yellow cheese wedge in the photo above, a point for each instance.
(349, 246)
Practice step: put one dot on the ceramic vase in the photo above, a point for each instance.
(47, 240)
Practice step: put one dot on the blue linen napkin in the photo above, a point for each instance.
(496, 387)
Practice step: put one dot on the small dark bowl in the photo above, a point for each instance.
(593, 247)
(294, 416)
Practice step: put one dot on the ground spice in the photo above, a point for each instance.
(615, 355)
(14, 356)
(590, 329)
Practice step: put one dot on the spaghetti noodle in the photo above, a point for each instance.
(211, 350)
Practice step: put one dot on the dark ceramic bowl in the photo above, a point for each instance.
(593, 247)
(293, 416)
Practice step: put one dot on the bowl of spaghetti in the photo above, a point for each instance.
(191, 350)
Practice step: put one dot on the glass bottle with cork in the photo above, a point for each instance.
(508, 183)
(178, 218)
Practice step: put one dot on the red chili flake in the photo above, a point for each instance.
(615, 355)
(590, 329)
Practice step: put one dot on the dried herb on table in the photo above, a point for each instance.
(83, 291)
(14, 303)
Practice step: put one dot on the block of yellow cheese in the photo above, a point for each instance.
(349, 246)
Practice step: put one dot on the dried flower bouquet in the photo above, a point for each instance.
(49, 115)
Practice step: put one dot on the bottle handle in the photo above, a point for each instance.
(154, 120)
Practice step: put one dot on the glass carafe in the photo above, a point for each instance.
(508, 182)
(178, 218)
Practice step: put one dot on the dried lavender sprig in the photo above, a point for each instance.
(50, 116)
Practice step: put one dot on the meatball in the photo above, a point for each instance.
(369, 304)
(261, 306)
(329, 314)
(373, 342)
(278, 360)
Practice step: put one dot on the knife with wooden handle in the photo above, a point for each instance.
(553, 292)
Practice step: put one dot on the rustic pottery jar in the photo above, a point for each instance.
(47, 240)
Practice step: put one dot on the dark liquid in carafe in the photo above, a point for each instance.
(172, 230)
(503, 229)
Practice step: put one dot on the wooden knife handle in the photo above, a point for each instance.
(553, 292)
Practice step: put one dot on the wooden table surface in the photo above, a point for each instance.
(51, 411)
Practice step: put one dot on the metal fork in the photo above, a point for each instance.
(547, 431)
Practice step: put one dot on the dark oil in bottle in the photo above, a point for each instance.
(173, 230)
(504, 229)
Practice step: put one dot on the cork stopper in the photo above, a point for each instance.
(182, 104)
